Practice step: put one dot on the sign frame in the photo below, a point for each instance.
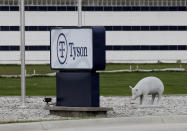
(98, 49)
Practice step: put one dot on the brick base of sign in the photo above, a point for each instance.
(78, 111)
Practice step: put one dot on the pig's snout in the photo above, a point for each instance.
(133, 98)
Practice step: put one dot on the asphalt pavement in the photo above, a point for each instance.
(149, 123)
(143, 127)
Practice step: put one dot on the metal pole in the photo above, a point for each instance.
(22, 40)
(79, 13)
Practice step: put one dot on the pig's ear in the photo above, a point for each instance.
(130, 86)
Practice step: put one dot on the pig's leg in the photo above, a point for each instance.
(159, 98)
(144, 99)
(141, 99)
(153, 98)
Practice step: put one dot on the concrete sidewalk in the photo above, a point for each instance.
(86, 123)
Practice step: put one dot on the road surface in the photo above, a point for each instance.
(151, 123)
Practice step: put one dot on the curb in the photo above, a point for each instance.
(47, 125)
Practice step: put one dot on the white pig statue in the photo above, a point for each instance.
(148, 85)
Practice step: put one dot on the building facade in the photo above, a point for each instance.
(137, 31)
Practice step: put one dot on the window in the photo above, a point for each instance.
(11, 2)
(63, 2)
(58, 2)
(91, 3)
(74, 2)
(40, 2)
(178, 2)
(105, 2)
(114, 2)
(165, 2)
(6, 2)
(29, 2)
(44, 2)
(136, 2)
(146, 2)
(100, 2)
(132, 2)
(109, 2)
(159, 2)
(155, 2)
(128, 2)
(118, 3)
(173, 2)
(54, 2)
(169, 2)
(35, 2)
(1, 2)
(123, 2)
(15, 2)
(183, 3)
(68, 2)
(95, 2)
(49, 2)
(151, 2)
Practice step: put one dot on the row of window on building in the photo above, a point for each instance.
(97, 2)
(107, 28)
(108, 48)
(96, 8)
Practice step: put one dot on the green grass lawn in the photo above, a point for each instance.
(16, 69)
(111, 84)
(118, 83)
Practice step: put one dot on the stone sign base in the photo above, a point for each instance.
(78, 111)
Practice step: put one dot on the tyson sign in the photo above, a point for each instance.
(72, 48)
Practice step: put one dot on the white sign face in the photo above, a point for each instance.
(71, 48)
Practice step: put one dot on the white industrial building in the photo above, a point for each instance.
(137, 31)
